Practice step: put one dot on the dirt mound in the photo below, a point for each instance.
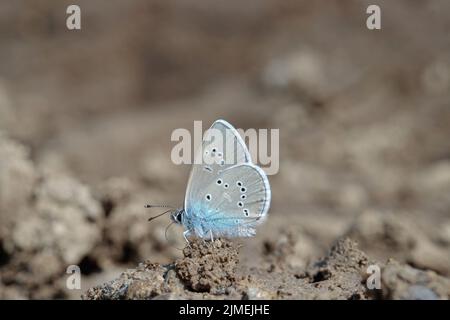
(209, 270)
(208, 267)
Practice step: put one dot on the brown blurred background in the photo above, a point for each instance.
(86, 118)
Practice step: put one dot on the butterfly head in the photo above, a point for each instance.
(177, 216)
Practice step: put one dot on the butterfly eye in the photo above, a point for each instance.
(246, 212)
(219, 181)
(208, 197)
(240, 204)
(243, 196)
(214, 150)
(226, 185)
(239, 184)
(243, 189)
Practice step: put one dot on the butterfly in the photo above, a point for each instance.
(226, 195)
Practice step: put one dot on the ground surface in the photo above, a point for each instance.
(211, 271)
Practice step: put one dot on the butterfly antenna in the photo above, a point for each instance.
(158, 206)
(159, 215)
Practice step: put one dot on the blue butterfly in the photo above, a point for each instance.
(227, 195)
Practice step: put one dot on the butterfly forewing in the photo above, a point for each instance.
(215, 155)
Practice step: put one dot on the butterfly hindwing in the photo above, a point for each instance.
(243, 204)
(247, 194)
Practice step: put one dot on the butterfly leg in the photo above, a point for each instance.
(211, 234)
(185, 235)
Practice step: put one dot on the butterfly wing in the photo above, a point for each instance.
(226, 198)
(244, 204)
(207, 163)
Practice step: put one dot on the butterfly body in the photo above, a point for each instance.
(227, 195)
